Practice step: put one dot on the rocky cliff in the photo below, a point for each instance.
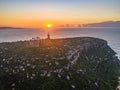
(83, 63)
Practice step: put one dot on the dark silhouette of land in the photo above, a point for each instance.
(100, 24)
(11, 28)
(104, 24)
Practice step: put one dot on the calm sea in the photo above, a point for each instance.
(112, 35)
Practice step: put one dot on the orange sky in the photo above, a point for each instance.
(37, 13)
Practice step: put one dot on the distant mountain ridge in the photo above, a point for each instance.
(11, 28)
(104, 24)
(97, 24)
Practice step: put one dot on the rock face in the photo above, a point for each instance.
(83, 63)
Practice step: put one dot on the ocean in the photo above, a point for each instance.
(112, 35)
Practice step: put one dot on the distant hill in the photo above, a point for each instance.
(104, 24)
(11, 28)
(99, 24)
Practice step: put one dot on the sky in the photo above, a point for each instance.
(36, 13)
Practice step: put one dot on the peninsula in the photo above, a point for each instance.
(81, 63)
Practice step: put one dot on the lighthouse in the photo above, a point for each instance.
(48, 36)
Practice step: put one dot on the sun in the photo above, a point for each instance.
(49, 25)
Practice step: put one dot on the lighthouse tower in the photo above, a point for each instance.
(48, 36)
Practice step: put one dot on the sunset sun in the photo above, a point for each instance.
(49, 25)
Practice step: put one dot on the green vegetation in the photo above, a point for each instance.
(58, 64)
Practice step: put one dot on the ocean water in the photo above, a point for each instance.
(112, 35)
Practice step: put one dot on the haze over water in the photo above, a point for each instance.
(112, 35)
